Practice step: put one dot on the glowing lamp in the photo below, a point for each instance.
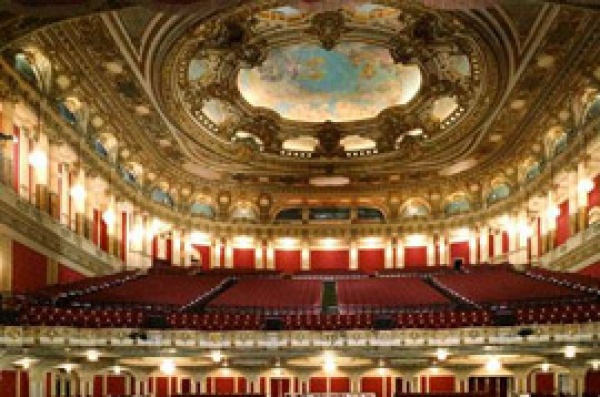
(167, 367)
(442, 354)
(109, 216)
(570, 352)
(216, 356)
(545, 367)
(92, 355)
(585, 185)
(493, 365)
(38, 159)
(553, 211)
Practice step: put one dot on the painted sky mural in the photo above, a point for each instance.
(308, 83)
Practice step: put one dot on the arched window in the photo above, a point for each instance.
(162, 197)
(289, 214)
(459, 205)
(25, 68)
(66, 113)
(203, 210)
(414, 208)
(593, 107)
(329, 214)
(100, 149)
(243, 213)
(560, 143)
(498, 193)
(533, 171)
(127, 175)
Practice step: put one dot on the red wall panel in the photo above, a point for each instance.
(415, 256)
(339, 385)
(562, 224)
(491, 245)
(16, 160)
(592, 381)
(318, 385)
(241, 385)
(372, 385)
(279, 387)
(594, 195)
(30, 269)
(224, 385)
(24, 384)
(98, 386)
(186, 385)
(460, 250)
(371, 260)
(544, 383)
(162, 386)
(330, 260)
(169, 251)
(8, 383)
(505, 243)
(288, 261)
(244, 258)
(204, 253)
(68, 275)
(115, 385)
(103, 235)
(441, 384)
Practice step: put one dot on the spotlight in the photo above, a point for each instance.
(329, 362)
(493, 365)
(216, 356)
(117, 370)
(545, 367)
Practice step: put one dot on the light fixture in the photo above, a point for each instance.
(441, 354)
(117, 370)
(585, 185)
(78, 192)
(24, 363)
(167, 367)
(68, 367)
(137, 234)
(570, 351)
(595, 365)
(92, 355)
(434, 369)
(216, 356)
(553, 212)
(545, 367)
(493, 364)
(38, 159)
(329, 362)
(109, 216)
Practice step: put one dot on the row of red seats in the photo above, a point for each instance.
(387, 292)
(573, 280)
(84, 286)
(565, 314)
(503, 287)
(270, 294)
(158, 289)
(127, 318)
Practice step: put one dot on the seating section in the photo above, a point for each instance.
(158, 290)
(502, 287)
(387, 293)
(218, 302)
(270, 295)
(84, 286)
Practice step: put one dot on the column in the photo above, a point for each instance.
(473, 240)
(7, 148)
(519, 256)
(5, 262)
(216, 252)
(305, 254)
(258, 254)
(497, 239)
(584, 187)
(484, 251)
(176, 247)
(430, 250)
(23, 167)
(551, 214)
(270, 254)
(57, 181)
(572, 179)
(535, 242)
(228, 253)
(40, 164)
(444, 248)
(389, 253)
(353, 254)
(400, 263)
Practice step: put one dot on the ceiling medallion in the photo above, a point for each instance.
(328, 26)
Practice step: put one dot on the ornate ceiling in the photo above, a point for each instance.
(314, 96)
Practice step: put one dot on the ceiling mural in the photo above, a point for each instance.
(305, 82)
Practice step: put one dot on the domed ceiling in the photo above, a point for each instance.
(317, 96)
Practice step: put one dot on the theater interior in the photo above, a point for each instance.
(299, 198)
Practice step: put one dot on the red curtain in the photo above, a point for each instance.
(415, 256)
(103, 235)
(169, 251)
(330, 260)
(24, 384)
(491, 245)
(339, 385)
(372, 385)
(318, 385)
(594, 195)
(441, 384)
(544, 383)
(460, 250)
(30, 269)
(288, 261)
(186, 385)
(241, 385)
(371, 260)
(279, 387)
(204, 253)
(244, 258)
(68, 275)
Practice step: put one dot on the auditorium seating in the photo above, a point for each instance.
(501, 287)
(573, 280)
(157, 290)
(270, 295)
(329, 274)
(416, 271)
(387, 293)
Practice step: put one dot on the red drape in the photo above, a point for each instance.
(544, 383)
(8, 383)
(592, 381)
(562, 224)
(372, 385)
(224, 385)
(441, 384)
(204, 253)
(318, 385)
(115, 385)
(339, 385)
(162, 386)
(460, 250)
